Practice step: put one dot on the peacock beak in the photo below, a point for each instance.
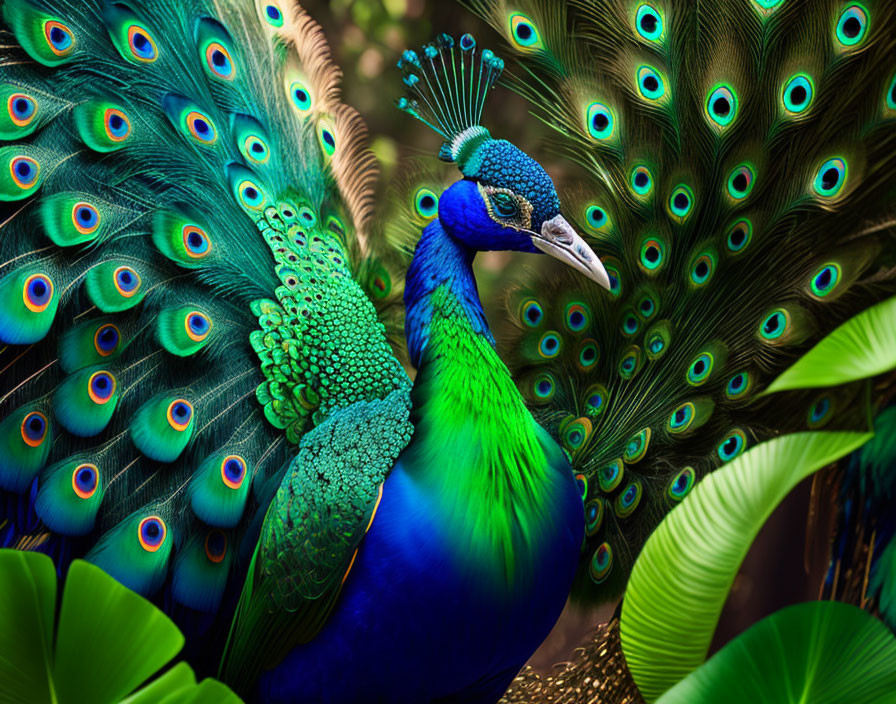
(558, 239)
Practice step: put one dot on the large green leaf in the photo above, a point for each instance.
(822, 652)
(109, 640)
(682, 577)
(27, 606)
(863, 346)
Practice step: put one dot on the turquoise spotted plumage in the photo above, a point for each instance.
(735, 161)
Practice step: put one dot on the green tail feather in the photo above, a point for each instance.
(735, 178)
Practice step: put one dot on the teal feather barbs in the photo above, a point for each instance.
(448, 83)
(690, 203)
(139, 259)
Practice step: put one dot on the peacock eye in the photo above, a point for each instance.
(505, 205)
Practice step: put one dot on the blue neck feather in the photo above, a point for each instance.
(440, 260)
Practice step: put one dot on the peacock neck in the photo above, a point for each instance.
(441, 273)
(476, 447)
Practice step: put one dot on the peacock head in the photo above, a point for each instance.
(505, 200)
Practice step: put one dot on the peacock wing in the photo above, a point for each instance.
(186, 200)
(313, 530)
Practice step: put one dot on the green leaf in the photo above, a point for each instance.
(212, 691)
(682, 577)
(863, 346)
(27, 609)
(822, 652)
(177, 681)
(110, 638)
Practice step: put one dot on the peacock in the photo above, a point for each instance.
(201, 391)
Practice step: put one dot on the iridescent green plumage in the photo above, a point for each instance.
(736, 164)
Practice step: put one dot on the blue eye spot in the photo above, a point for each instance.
(738, 386)
(600, 121)
(732, 445)
(831, 177)
(774, 325)
(648, 23)
(650, 83)
(739, 236)
(825, 281)
(273, 15)
(797, 93)
(596, 216)
(852, 25)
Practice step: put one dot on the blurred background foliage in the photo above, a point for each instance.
(367, 37)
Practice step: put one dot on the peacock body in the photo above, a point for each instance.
(199, 396)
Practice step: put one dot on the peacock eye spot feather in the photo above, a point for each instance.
(681, 202)
(596, 217)
(34, 428)
(215, 546)
(681, 418)
(601, 563)
(273, 15)
(24, 171)
(577, 316)
(739, 236)
(647, 306)
(116, 125)
(549, 346)
(652, 254)
(151, 533)
(180, 414)
(630, 325)
(852, 26)
(797, 93)
(831, 177)
(819, 412)
(774, 325)
(22, 109)
(106, 339)
(610, 476)
(219, 61)
(600, 120)
(101, 387)
(531, 313)
(60, 38)
(732, 445)
(85, 480)
(628, 500)
(37, 292)
(594, 514)
(636, 448)
(650, 83)
(700, 369)
(648, 23)
(721, 105)
(544, 387)
(426, 203)
(141, 44)
(740, 181)
(197, 243)
(233, 471)
(201, 128)
(825, 280)
(739, 386)
(524, 33)
(681, 484)
(127, 281)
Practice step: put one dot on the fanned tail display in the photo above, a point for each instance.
(737, 164)
(187, 209)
